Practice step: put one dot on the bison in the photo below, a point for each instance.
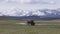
(31, 22)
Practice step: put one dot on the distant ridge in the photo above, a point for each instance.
(29, 17)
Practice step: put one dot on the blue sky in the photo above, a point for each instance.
(30, 4)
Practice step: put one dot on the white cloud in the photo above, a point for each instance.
(31, 1)
(52, 2)
(19, 1)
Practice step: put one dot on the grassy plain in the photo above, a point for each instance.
(10, 27)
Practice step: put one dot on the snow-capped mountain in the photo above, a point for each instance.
(34, 12)
(20, 12)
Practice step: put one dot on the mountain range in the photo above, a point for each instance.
(31, 14)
